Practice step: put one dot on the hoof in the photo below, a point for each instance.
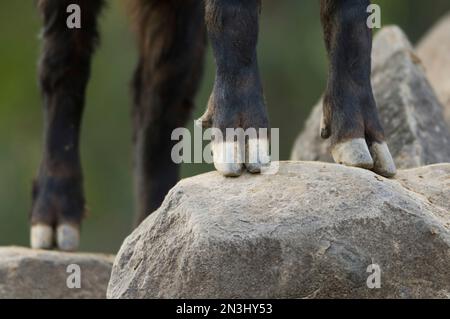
(67, 237)
(228, 158)
(383, 163)
(324, 129)
(353, 153)
(205, 121)
(257, 155)
(41, 237)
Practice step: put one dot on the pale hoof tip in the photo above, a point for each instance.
(67, 237)
(229, 170)
(253, 168)
(383, 162)
(228, 158)
(259, 167)
(353, 153)
(41, 237)
(257, 155)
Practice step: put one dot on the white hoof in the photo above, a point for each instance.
(383, 162)
(41, 237)
(353, 153)
(257, 155)
(228, 158)
(67, 237)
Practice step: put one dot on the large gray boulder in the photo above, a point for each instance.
(38, 274)
(411, 113)
(434, 51)
(311, 231)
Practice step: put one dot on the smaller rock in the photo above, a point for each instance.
(434, 51)
(39, 274)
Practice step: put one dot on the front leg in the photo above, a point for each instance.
(237, 99)
(350, 115)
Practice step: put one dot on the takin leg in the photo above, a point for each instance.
(237, 99)
(58, 201)
(172, 38)
(350, 114)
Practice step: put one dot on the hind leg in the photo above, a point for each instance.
(350, 114)
(171, 38)
(58, 201)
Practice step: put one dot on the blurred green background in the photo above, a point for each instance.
(293, 66)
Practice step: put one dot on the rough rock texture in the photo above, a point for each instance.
(311, 231)
(411, 113)
(434, 51)
(38, 274)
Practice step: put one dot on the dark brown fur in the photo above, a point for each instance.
(63, 73)
(171, 39)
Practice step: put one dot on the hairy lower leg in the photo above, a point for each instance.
(350, 113)
(237, 99)
(64, 73)
(349, 91)
(171, 43)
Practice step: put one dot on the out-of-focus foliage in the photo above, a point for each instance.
(293, 66)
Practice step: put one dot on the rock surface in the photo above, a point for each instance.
(37, 274)
(434, 51)
(411, 113)
(311, 231)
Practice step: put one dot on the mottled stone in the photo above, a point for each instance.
(310, 231)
